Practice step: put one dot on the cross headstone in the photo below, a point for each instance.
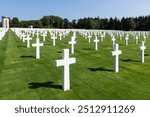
(96, 43)
(86, 35)
(28, 41)
(102, 37)
(89, 37)
(113, 40)
(65, 62)
(120, 36)
(37, 34)
(144, 38)
(142, 48)
(126, 40)
(136, 39)
(60, 35)
(37, 45)
(44, 35)
(33, 33)
(116, 53)
(23, 37)
(54, 39)
(72, 42)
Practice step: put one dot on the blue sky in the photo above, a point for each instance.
(74, 9)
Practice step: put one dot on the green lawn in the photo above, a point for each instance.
(22, 77)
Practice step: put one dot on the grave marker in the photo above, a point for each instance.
(96, 42)
(142, 48)
(28, 41)
(65, 62)
(72, 42)
(126, 40)
(116, 53)
(37, 45)
(54, 38)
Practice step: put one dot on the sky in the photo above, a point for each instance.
(73, 9)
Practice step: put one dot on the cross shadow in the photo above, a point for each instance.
(129, 60)
(146, 54)
(59, 51)
(87, 49)
(27, 57)
(21, 46)
(100, 69)
(105, 46)
(35, 85)
(47, 44)
(66, 43)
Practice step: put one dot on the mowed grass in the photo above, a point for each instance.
(22, 77)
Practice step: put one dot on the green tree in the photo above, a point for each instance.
(15, 22)
(66, 23)
(46, 21)
(131, 23)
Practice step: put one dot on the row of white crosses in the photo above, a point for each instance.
(66, 61)
(3, 32)
(117, 52)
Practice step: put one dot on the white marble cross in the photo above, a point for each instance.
(136, 39)
(89, 37)
(33, 33)
(86, 35)
(113, 40)
(142, 48)
(54, 39)
(72, 42)
(37, 34)
(116, 53)
(102, 37)
(120, 36)
(44, 35)
(126, 40)
(60, 35)
(37, 45)
(96, 42)
(65, 62)
(144, 37)
(23, 37)
(28, 40)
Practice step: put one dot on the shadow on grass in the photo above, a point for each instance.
(21, 46)
(88, 49)
(129, 60)
(100, 69)
(18, 41)
(47, 44)
(27, 57)
(146, 54)
(59, 51)
(35, 85)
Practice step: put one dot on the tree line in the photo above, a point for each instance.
(141, 23)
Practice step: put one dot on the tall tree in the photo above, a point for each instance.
(46, 21)
(15, 22)
(66, 23)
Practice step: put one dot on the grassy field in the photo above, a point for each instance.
(22, 77)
